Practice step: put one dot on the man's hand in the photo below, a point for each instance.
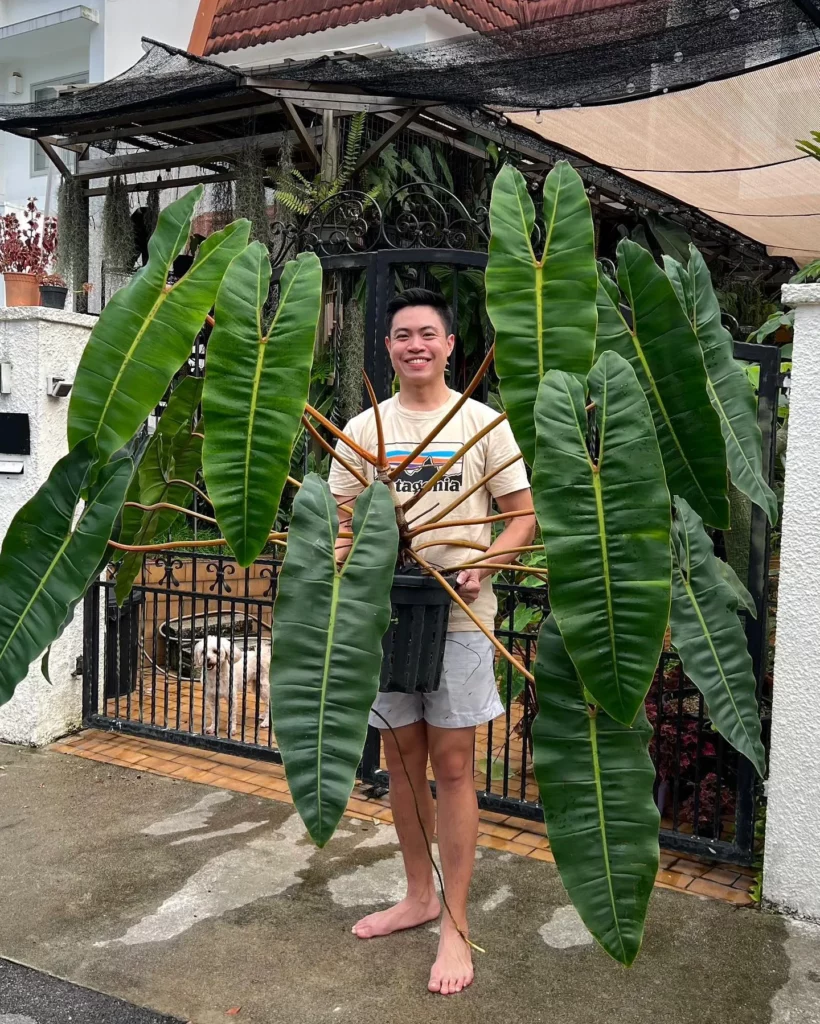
(468, 584)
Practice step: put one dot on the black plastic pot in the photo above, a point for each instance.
(53, 296)
(413, 646)
(122, 648)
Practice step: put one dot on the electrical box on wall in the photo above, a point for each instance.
(16, 83)
(15, 434)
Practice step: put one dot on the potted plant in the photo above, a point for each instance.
(628, 423)
(53, 291)
(25, 252)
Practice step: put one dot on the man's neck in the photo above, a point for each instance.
(424, 398)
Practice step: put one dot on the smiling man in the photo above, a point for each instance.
(440, 725)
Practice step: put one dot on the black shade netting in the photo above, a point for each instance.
(626, 50)
(164, 76)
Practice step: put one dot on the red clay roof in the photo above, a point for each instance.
(223, 25)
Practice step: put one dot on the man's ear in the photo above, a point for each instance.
(451, 341)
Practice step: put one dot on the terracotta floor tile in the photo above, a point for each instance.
(674, 879)
(189, 773)
(386, 814)
(236, 785)
(499, 831)
(122, 753)
(689, 867)
(720, 892)
(493, 816)
(723, 876)
(743, 882)
(532, 841)
(537, 828)
(545, 855)
(519, 848)
(493, 842)
(234, 761)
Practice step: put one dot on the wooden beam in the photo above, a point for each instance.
(298, 125)
(220, 103)
(384, 140)
(137, 128)
(179, 156)
(55, 159)
(302, 94)
(422, 128)
(158, 186)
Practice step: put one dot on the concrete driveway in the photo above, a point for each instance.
(195, 902)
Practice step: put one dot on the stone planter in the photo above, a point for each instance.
(21, 289)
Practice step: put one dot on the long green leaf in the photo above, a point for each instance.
(256, 386)
(328, 625)
(605, 528)
(709, 637)
(146, 331)
(595, 778)
(173, 454)
(46, 563)
(543, 310)
(730, 390)
(666, 356)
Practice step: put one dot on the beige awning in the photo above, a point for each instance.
(727, 148)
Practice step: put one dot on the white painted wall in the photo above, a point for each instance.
(791, 879)
(38, 342)
(410, 28)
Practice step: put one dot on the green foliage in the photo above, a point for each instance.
(173, 454)
(145, 332)
(72, 235)
(543, 309)
(327, 630)
(596, 780)
(666, 356)
(250, 201)
(47, 562)
(256, 386)
(605, 522)
(351, 362)
(709, 636)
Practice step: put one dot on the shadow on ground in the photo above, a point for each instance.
(194, 901)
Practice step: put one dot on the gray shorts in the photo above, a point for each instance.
(467, 694)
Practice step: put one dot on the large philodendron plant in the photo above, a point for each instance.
(627, 406)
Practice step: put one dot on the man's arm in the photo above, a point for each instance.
(519, 533)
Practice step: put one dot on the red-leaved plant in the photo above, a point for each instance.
(28, 248)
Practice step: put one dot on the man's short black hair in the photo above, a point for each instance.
(420, 297)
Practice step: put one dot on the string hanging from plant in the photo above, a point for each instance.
(222, 204)
(119, 250)
(249, 199)
(152, 209)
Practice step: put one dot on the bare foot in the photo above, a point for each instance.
(407, 914)
(453, 969)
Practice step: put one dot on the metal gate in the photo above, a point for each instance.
(141, 676)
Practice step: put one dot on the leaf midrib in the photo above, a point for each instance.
(599, 795)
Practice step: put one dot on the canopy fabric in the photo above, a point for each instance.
(727, 148)
(605, 54)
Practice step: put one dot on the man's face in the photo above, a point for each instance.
(419, 345)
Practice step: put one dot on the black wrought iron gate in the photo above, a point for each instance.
(141, 676)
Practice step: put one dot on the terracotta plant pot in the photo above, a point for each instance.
(22, 289)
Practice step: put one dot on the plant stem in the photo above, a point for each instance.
(471, 522)
(174, 508)
(314, 433)
(480, 483)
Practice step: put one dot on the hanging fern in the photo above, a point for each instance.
(152, 210)
(250, 201)
(119, 250)
(351, 362)
(72, 239)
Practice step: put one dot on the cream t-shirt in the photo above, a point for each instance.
(403, 430)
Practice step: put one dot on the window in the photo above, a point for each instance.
(48, 91)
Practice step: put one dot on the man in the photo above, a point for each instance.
(440, 725)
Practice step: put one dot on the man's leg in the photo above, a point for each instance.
(451, 753)
(421, 903)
